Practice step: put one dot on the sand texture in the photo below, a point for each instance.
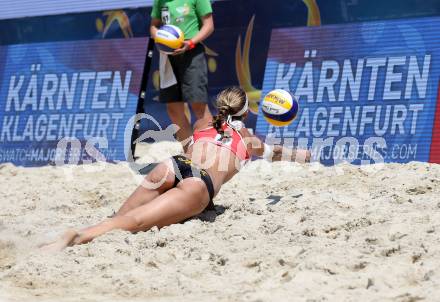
(280, 232)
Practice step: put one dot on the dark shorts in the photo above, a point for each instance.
(183, 168)
(191, 72)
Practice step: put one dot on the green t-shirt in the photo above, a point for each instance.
(185, 14)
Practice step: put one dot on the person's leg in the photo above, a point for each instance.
(194, 83)
(189, 198)
(176, 112)
(172, 97)
(158, 181)
(201, 110)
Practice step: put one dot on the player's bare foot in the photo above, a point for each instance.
(64, 241)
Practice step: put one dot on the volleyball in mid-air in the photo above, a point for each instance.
(279, 107)
(168, 38)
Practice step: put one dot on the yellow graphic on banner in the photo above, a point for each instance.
(118, 16)
(212, 62)
(243, 70)
(314, 16)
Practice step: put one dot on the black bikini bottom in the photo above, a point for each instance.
(184, 168)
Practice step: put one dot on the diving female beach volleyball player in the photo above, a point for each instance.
(184, 185)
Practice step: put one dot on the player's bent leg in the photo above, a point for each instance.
(188, 199)
(158, 181)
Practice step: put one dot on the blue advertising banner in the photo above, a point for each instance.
(25, 8)
(237, 52)
(290, 13)
(367, 91)
(71, 95)
(127, 23)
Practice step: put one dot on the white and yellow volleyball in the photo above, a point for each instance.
(279, 107)
(169, 38)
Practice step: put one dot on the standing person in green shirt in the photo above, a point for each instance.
(194, 18)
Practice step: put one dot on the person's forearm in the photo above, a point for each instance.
(280, 153)
(153, 30)
(287, 154)
(203, 34)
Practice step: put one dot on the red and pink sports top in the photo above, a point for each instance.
(232, 140)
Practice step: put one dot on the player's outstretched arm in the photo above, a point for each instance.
(273, 153)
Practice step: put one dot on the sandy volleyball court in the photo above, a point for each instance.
(281, 232)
